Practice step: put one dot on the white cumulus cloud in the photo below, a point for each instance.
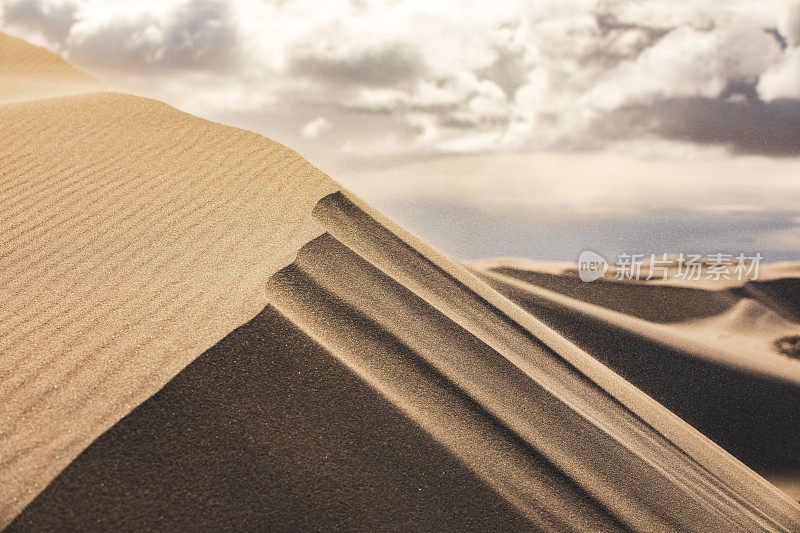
(448, 76)
(314, 128)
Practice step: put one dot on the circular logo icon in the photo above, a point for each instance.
(591, 266)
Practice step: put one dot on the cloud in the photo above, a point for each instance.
(314, 128)
(382, 67)
(460, 76)
(689, 62)
(144, 35)
(195, 34)
(52, 19)
(789, 25)
(782, 80)
(744, 126)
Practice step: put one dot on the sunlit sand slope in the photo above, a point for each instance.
(132, 238)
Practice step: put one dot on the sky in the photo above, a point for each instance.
(535, 128)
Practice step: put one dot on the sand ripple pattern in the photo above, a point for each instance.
(133, 237)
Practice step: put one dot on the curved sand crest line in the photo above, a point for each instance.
(136, 236)
(403, 316)
(132, 238)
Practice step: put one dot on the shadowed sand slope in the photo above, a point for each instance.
(381, 386)
(282, 436)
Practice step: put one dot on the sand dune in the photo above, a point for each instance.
(380, 384)
(547, 393)
(708, 354)
(732, 325)
(132, 238)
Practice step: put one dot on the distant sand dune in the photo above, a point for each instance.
(713, 360)
(726, 326)
(147, 255)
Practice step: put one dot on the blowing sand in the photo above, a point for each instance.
(136, 238)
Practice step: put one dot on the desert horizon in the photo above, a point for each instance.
(423, 319)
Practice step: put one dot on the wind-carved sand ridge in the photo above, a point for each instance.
(366, 281)
(135, 237)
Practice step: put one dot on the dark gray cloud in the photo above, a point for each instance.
(388, 66)
(508, 70)
(639, 37)
(203, 34)
(781, 40)
(744, 126)
(53, 20)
